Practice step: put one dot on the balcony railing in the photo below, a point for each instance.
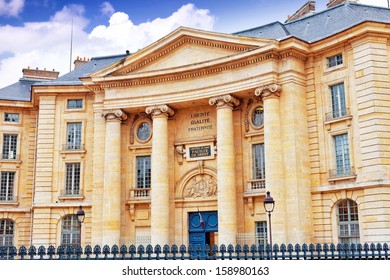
(255, 187)
(256, 184)
(73, 147)
(8, 199)
(337, 114)
(140, 193)
(10, 156)
(71, 193)
(345, 171)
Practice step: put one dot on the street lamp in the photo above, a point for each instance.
(80, 215)
(80, 218)
(269, 204)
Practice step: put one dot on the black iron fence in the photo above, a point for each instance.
(174, 252)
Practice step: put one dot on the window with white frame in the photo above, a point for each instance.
(75, 104)
(72, 180)
(11, 117)
(6, 232)
(10, 142)
(70, 230)
(258, 165)
(261, 233)
(7, 186)
(341, 146)
(335, 60)
(73, 141)
(348, 222)
(339, 108)
(143, 166)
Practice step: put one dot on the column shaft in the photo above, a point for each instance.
(227, 201)
(160, 177)
(274, 165)
(112, 179)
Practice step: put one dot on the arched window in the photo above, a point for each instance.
(70, 230)
(348, 222)
(6, 232)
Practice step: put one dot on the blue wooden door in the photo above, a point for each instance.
(199, 230)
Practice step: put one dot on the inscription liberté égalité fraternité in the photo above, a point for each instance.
(200, 121)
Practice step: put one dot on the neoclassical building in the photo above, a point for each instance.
(179, 142)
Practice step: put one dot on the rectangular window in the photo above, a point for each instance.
(73, 136)
(7, 186)
(261, 233)
(9, 146)
(143, 172)
(339, 108)
(75, 104)
(335, 60)
(343, 166)
(258, 161)
(11, 117)
(72, 181)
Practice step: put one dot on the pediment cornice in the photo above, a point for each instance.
(195, 71)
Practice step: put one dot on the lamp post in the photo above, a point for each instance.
(269, 205)
(80, 217)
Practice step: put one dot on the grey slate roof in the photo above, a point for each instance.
(321, 25)
(92, 66)
(21, 91)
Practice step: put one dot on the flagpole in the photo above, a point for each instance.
(71, 47)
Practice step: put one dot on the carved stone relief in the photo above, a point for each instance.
(200, 186)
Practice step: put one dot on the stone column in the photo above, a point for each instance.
(227, 202)
(274, 166)
(112, 177)
(160, 176)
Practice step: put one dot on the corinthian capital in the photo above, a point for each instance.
(116, 114)
(224, 100)
(270, 90)
(161, 109)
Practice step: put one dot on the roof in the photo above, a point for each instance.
(321, 25)
(21, 90)
(92, 66)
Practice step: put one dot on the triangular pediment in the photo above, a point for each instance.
(181, 49)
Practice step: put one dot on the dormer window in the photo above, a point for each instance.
(335, 60)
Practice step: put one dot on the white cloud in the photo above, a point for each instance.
(124, 34)
(47, 44)
(11, 7)
(107, 9)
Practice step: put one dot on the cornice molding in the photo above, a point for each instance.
(189, 74)
(181, 41)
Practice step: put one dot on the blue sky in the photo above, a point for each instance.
(36, 33)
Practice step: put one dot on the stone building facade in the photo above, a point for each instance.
(178, 142)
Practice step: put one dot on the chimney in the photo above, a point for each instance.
(80, 62)
(36, 74)
(333, 3)
(307, 9)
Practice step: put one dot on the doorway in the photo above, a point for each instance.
(203, 229)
